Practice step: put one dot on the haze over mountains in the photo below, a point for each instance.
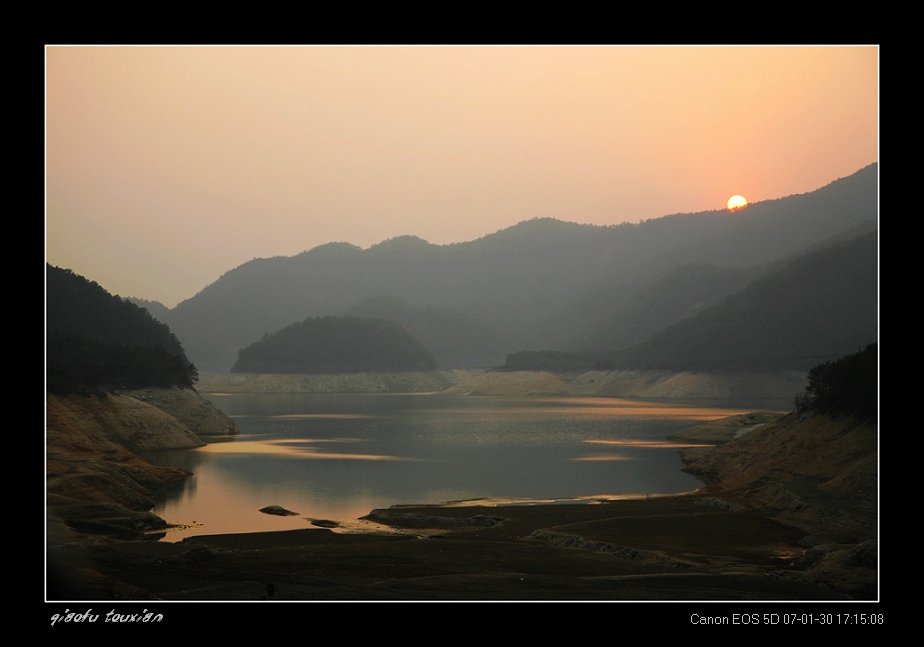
(547, 284)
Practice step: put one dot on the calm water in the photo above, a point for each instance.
(339, 456)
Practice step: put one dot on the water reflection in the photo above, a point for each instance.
(647, 443)
(339, 456)
(295, 448)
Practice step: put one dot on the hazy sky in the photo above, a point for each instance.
(168, 166)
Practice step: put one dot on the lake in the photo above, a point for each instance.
(340, 456)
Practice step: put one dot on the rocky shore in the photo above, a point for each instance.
(95, 481)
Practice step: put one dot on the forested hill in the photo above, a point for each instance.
(336, 345)
(536, 285)
(820, 306)
(95, 340)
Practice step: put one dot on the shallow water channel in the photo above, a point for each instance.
(339, 456)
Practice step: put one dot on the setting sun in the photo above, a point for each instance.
(736, 202)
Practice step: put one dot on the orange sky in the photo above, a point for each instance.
(168, 166)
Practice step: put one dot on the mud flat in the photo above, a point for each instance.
(695, 547)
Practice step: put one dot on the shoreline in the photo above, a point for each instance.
(752, 390)
(787, 528)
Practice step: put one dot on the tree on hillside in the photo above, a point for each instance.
(847, 386)
(94, 340)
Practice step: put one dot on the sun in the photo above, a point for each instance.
(736, 202)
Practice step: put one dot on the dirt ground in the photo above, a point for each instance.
(693, 547)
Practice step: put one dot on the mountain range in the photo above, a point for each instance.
(819, 307)
(541, 284)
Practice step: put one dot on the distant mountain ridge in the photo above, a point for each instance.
(819, 307)
(155, 308)
(533, 283)
(454, 339)
(617, 316)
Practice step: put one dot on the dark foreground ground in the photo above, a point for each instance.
(693, 547)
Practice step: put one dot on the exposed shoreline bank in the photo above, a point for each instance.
(95, 480)
(777, 388)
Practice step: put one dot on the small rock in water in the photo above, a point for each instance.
(277, 510)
